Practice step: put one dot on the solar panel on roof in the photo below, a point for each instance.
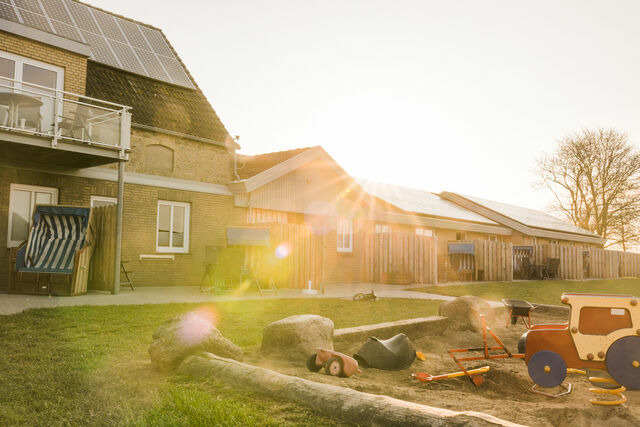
(152, 65)
(83, 17)
(30, 5)
(157, 41)
(100, 50)
(56, 10)
(34, 20)
(132, 33)
(126, 56)
(113, 40)
(8, 12)
(65, 30)
(108, 26)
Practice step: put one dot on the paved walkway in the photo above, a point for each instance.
(11, 304)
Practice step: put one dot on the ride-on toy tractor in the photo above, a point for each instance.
(603, 333)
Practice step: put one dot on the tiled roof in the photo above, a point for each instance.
(155, 103)
(419, 201)
(249, 166)
(529, 217)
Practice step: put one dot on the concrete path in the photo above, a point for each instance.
(11, 304)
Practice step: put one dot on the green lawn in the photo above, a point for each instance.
(89, 365)
(541, 291)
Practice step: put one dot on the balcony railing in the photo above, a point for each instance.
(59, 115)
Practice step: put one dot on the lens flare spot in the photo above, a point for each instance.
(196, 326)
(283, 250)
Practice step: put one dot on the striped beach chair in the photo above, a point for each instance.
(57, 252)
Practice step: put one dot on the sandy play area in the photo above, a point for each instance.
(505, 393)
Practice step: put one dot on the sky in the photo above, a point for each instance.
(460, 96)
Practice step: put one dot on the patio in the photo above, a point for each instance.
(12, 304)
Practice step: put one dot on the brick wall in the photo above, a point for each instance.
(209, 216)
(75, 66)
(192, 160)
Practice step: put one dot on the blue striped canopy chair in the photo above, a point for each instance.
(55, 258)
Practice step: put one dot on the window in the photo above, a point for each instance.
(99, 201)
(22, 202)
(381, 228)
(493, 238)
(173, 227)
(461, 235)
(424, 232)
(345, 235)
(603, 320)
(28, 72)
(553, 242)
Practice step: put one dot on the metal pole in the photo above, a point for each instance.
(120, 209)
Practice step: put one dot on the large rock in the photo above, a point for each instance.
(185, 335)
(463, 312)
(296, 337)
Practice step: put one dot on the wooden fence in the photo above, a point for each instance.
(103, 224)
(577, 263)
(294, 257)
(571, 259)
(406, 255)
(494, 260)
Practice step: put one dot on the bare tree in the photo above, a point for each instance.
(594, 176)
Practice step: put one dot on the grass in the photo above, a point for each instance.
(89, 365)
(542, 292)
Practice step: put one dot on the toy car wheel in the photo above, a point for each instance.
(547, 369)
(334, 367)
(623, 362)
(312, 365)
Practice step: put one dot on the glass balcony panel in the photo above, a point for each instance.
(34, 108)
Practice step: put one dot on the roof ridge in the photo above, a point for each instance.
(279, 152)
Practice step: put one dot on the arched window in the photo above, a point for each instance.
(159, 158)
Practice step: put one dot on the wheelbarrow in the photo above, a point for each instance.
(519, 309)
(335, 364)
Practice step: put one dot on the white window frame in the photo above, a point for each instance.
(33, 189)
(21, 60)
(340, 240)
(105, 199)
(187, 226)
(425, 232)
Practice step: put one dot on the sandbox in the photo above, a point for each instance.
(505, 394)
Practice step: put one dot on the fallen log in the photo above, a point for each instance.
(340, 402)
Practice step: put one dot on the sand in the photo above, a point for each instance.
(505, 393)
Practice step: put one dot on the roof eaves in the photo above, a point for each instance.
(441, 223)
(280, 169)
(516, 225)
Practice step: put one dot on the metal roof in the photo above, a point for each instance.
(114, 40)
(530, 217)
(419, 201)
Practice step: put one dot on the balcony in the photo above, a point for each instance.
(58, 128)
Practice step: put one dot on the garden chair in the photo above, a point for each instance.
(525, 268)
(553, 267)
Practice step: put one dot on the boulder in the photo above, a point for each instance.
(463, 312)
(296, 337)
(185, 335)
